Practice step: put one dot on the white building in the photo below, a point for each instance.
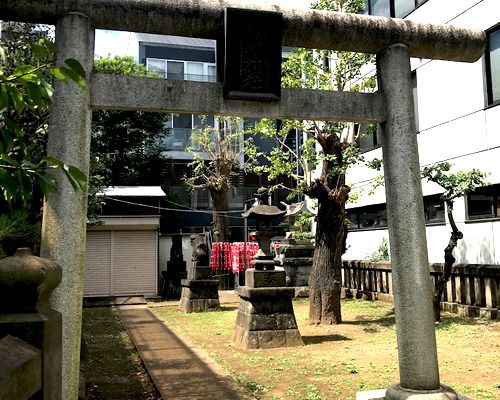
(458, 120)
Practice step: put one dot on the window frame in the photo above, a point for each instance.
(206, 66)
(392, 7)
(490, 102)
(379, 209)
(491, 190)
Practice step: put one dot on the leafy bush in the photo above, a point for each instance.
(382, 252)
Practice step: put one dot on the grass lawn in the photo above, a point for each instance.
(338, 361)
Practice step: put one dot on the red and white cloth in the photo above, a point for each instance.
(231, 256)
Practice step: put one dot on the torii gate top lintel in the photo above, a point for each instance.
(302, 28)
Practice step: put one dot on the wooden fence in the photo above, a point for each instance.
(472, 290)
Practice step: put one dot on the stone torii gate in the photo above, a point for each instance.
(394, 41)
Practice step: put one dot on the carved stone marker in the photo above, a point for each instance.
(199, 292)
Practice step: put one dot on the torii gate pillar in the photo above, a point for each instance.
(418, 364)
(65, 212)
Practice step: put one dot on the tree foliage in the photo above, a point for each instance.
(126, 145)
(224, 146)
(455, 184)
(26, 69)
(327, 151)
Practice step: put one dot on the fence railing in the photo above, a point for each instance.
(472, 290)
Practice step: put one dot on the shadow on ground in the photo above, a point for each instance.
(323, 338)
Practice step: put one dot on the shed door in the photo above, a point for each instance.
(97, 275)
(120, 263)
(134, 262)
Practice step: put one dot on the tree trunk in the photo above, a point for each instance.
(325, 279)
(448, 261)
(220, 217)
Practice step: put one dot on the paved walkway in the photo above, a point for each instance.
(179, 370)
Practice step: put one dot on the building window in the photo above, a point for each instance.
(375, 216)
(484, 203)
(493, 65)
(415, 97)
(392, 8)
(181, 126)
(370, 137)
(434, 209)
(370, 217)
(182, 70)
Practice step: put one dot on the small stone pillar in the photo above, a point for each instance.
(199, 292)
(265, 316)
(26, 284)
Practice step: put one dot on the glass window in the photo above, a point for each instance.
(368, 219)
(480, 205)
(415, 96)
(369, 137)
(212, 73)
(183, 121)
(434, 209)
(352, 217)
(493, 65)
(194, 71)
(403, 7)
(381, 8)
(175, 70)
(203, 120)
(156, 65)
(382, 217)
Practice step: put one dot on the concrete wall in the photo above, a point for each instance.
(454, 125)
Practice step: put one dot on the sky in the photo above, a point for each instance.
(115, 43)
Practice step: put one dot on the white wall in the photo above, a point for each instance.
(455, 126)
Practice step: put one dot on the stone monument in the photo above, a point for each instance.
(176, 270)
(265, 316)
(199, 292)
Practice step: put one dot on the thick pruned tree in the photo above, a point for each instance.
(329, 149)
(223, 144)
(455, 184)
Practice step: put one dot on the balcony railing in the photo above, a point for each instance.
(178, 140)
(187, 77)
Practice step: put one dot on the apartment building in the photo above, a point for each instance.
(182, 58)
(458, 120)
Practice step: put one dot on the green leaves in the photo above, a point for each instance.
(456, 184)
(73, 72)
(25, 93)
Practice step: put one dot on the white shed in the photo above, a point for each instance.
(121, 257)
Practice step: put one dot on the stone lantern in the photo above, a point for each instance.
(265, 315)
(264, 215)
